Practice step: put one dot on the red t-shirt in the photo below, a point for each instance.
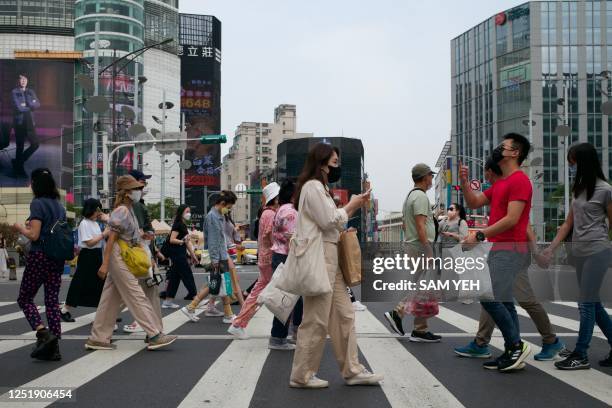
(515, 187)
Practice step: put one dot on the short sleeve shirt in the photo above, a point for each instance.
(48, 211)
(515, 187)
(283, 225)
(590, 233)
(123, 221)
(417, 203)
(88, 230)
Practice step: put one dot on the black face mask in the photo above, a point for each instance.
(498, 154)
(334, 174)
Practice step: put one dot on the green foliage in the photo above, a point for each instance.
(155, 209)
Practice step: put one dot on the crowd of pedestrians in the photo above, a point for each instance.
(117, 263)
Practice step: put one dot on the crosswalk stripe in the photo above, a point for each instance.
(592, 382)
(85, 369)
(17, 315)
(575, 306)
(10, 345)
(7, 303)
(218, 386)
(388, 357)
(563, 322)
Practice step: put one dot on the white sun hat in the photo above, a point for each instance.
(271, 191)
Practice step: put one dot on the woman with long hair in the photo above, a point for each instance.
(588, 225)
(86, 286)
(264, 262)
(454, 228)
(3, 257)
(41, 270)
(121, 286)
(283, 229)
(180, 244)
(329, 313)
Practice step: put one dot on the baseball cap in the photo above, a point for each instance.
(421, 170)
(139, 175)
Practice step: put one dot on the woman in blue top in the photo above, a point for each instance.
(45, 211)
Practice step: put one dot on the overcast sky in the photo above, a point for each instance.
(374, 70)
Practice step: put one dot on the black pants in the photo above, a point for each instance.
(280, 329)
(23, 132)
(180, 271)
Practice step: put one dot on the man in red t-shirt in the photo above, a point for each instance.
(510, 201)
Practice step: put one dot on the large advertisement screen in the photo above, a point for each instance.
(201, 107)
(36, 99)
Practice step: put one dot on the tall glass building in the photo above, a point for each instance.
(520, 60)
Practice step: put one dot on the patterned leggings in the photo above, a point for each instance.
(41, 270)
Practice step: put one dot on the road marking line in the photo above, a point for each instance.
(17, 315)
(562, 322)
(388, 357)
(30, 336)
(95, 363)
(7, 303)
(218, 385)
(592, 382)
(575, 306)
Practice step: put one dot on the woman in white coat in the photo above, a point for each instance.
(330, 313)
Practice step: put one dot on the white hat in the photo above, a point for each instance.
(271, 191)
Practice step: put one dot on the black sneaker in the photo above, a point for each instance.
(574, 362)
(53, 353)
(428, 337)
(395, 321)
(512, 358)
(67, 317)
(607, 362)
(45, 344)
(565, 352)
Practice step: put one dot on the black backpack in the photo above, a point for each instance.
(59, 243)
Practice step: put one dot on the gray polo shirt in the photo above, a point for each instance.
(590, 234)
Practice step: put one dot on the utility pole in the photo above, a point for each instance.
(163, 163)
(94, 139)
(136, 86)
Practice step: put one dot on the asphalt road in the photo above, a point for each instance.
(207, 368)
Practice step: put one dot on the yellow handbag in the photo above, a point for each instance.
(136, 259)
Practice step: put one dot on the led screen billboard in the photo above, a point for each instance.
(36, 129)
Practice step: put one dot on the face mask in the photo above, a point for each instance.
(334, 174)
(498, 154)
(572, 168)
(187, 216)
(135, 195)
(225, 211)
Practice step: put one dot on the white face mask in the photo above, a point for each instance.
(135, 195)
(187, 216)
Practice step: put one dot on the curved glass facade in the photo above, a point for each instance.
(161, 22)
(122, 24)
(37, 17)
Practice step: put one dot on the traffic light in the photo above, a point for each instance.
(213, 139)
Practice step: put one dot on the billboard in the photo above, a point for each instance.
(36, 127)
(200, 53)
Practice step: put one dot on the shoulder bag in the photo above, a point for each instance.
(349, 258)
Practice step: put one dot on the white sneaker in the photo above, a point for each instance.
(132, 328)
(365, 378)
(166, 304)
(228, 319)
(190, 313)
(213, 312)
(358, 306)
(238, 332)
(314, 382)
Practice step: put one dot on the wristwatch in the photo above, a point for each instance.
(480, 236)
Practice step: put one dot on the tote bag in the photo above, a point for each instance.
(279, 302)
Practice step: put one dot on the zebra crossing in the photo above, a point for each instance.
(207, 367)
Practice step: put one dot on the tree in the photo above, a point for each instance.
(155, 209)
